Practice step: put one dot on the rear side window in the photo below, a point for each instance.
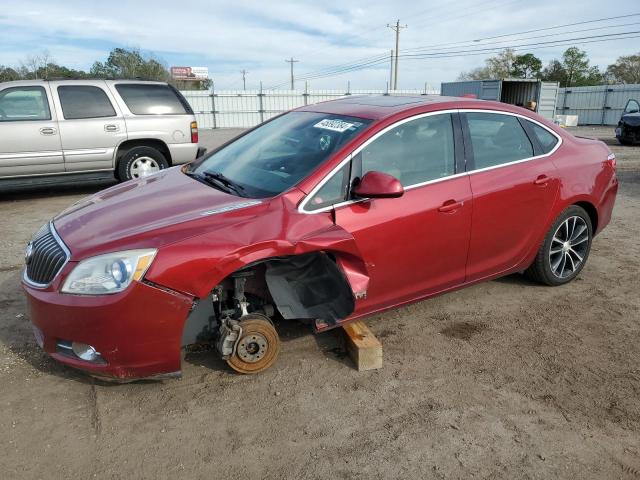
(497, 139)
(24, 103)
(545, 138)
(84, 101)
(152, 99)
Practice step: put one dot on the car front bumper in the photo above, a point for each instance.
(137, 332)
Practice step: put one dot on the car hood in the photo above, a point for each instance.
(145, 213)
(631, 119)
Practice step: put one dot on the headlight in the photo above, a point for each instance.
(110, 273)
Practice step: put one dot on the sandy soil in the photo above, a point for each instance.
(505, 379)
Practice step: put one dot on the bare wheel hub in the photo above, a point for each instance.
(258, 346)
(252, 347)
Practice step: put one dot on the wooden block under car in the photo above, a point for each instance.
(363, 347)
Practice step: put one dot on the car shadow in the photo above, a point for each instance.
(331, 344)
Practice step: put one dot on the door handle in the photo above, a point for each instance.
(48, 131)
(111, 128)
(450, 206)
(542, 180)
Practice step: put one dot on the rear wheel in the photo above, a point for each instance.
(258, 346)
(565, 249)
(140, 162)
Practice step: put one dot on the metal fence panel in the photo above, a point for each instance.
(597, 105)
(246, 108)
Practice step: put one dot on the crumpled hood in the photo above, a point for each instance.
(144, 213)
(631, 119)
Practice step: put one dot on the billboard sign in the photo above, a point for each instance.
(186, 73)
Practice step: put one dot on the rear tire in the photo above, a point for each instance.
(140, 162)
(565, 249)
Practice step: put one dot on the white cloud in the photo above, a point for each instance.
(258, 36)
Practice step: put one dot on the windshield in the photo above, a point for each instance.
(278, 154)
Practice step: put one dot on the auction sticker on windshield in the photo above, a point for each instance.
(334, 125)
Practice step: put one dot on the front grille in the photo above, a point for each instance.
(48, 256)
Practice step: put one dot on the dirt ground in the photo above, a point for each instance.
(506, 379)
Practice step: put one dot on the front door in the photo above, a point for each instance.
(91, 127)
(29, 135)
(416, 244)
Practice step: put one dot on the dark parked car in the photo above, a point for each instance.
(322, 215)
(628, 130)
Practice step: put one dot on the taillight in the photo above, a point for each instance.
(194, 132)
(611, 160)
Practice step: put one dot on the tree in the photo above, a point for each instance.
(625, 70)
(123, 63)
(496, 67)
(555, 72)
(7, 74)
(573, 70)
(526, 66)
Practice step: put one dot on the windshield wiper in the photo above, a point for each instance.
(228, 183)
(217, 180)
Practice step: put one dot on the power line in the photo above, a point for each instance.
(537, 44)
(597, 20)
(538, 36)
(466, 53)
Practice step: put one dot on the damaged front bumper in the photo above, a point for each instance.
(136, 333)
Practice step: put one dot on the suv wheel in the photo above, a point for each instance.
(565, 248)
(140, 162)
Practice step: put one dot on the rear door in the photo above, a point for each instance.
(91, 125)
(416, 244)
(30, 139)
(514, 186)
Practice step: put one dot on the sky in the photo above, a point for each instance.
(257, 36)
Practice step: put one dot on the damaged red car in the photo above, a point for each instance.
(321, 215)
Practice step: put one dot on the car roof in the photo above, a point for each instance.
(377, 107)
(17, 83)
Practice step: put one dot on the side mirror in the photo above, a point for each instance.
(378, 185)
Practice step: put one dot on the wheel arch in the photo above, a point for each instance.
(591, 210)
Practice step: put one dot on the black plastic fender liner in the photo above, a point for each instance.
(309, 286)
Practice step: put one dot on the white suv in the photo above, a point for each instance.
(68, 130)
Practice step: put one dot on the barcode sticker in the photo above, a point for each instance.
(334, 125)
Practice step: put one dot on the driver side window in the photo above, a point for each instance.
(414, 152)
(632, 107)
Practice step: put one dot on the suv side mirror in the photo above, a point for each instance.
(378, 185)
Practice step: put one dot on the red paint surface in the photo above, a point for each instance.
(430, 240)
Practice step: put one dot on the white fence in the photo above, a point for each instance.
(246, 108)
(597, 105)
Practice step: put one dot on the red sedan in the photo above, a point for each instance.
(323, 215)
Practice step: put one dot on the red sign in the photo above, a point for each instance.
(181, 72)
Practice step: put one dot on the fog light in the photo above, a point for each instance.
(85, 352)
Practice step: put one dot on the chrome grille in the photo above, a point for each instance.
(46, 255)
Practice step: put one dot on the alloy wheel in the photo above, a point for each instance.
(569, 247)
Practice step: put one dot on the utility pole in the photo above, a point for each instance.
(396, 28)
(244, 80)
(292, 61)
(391, 69)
